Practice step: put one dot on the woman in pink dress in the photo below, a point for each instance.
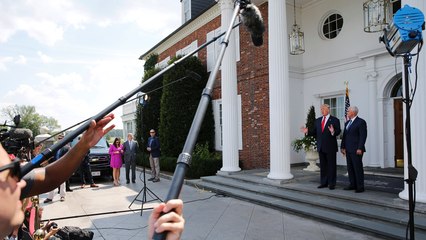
(116, 151)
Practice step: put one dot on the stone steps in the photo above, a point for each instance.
(341, 208)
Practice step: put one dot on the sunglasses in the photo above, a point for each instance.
(14, 167)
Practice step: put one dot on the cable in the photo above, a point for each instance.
(125, 211)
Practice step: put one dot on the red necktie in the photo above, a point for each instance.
(322, 124)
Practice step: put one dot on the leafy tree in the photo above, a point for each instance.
(150, 62)
(50, 122)
(148, 115)
(30, 118)
(310, 118)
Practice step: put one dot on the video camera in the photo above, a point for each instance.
(17, 141)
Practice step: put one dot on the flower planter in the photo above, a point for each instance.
(312, 156)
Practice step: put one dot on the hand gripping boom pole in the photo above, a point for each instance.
(184, 159)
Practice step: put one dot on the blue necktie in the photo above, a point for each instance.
(349, 124)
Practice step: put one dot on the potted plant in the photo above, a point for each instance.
(308, 143)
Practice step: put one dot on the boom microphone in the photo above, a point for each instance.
(20, 133)
(252, 19)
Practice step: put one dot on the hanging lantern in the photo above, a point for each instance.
(377, 15)
(297, 41)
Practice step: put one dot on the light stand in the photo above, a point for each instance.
(412, 172)
(143, 101)
(404, 34)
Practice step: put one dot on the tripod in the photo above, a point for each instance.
(144, 191)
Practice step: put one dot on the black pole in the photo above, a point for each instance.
(144, 188)
(184, 159)
(48, 152)
(412, 172)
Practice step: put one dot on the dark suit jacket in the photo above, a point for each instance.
(130, 153)
(154, 144)
(354, 138)
(326, 142)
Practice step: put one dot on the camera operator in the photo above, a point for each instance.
(42, 180)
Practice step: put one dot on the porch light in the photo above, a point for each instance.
(377, 15)
(297, 42)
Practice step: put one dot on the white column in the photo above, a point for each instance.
(380, 133)
(279, 92)
(418, 116)
(229, 95)
(372, 123)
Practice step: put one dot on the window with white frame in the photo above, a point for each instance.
(129, 127)
(217, 114)
(163, 63)
(213, 49)
(332, 25)
(337, 107)
(188, 49)
(186, 10)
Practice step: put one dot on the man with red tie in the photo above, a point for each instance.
(326, 130)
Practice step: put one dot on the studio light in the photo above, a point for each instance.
(405, 32)
(143, 98)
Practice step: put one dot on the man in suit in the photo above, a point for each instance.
(130, 148)
(326, 129)
(153, 148)
(353, 146)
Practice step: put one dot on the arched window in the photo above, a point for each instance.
(397, 89)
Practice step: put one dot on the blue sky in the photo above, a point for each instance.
(72, 58)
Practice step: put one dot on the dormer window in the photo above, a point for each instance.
(186, 10)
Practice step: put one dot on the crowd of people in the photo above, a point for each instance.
(14, 191)
(44, 179)
(126, 154)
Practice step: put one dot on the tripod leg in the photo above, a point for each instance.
(153, 194)
(135, 198)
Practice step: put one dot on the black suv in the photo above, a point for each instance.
(99, 158)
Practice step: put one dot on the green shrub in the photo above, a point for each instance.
(204, 162)
(179, 103)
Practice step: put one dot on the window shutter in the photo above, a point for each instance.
(210, 52)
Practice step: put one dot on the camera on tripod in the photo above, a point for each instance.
(17, 141)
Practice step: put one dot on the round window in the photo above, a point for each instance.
(331, 25)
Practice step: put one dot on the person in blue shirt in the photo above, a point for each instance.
(153, 148)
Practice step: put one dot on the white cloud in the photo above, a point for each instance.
(45, 21)
(83, 73)
(71, 98)
(69, 82)
(21, 60)
(44, 31)
(7, 60)
(44, 58)
(146, 16)
(4, 61)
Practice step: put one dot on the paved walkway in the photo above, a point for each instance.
(208, 216)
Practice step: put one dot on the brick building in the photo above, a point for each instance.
(263, 93)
